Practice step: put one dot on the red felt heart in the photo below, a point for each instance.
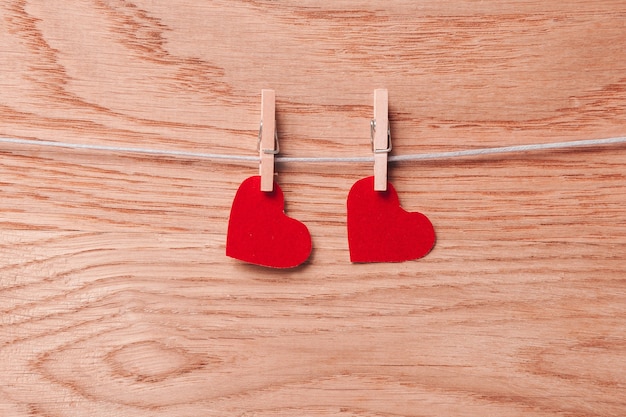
(259, 232)
(379, 230)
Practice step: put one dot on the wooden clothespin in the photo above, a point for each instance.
(268, 139)
(381, 138)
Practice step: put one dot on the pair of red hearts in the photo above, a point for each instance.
(379, 230)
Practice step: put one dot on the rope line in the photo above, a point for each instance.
(358, 159)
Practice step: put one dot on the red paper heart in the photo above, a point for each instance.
(259, 232)
(379, 230)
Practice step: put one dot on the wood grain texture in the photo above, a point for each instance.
(116, 297)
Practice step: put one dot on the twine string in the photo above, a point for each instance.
(323, 159)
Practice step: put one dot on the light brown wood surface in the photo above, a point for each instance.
(116, 296)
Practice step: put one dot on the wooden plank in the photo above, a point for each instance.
(117, 297)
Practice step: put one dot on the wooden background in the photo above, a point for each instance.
(116, 296)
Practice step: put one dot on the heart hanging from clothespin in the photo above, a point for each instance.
(380, 230)
(259, 232)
